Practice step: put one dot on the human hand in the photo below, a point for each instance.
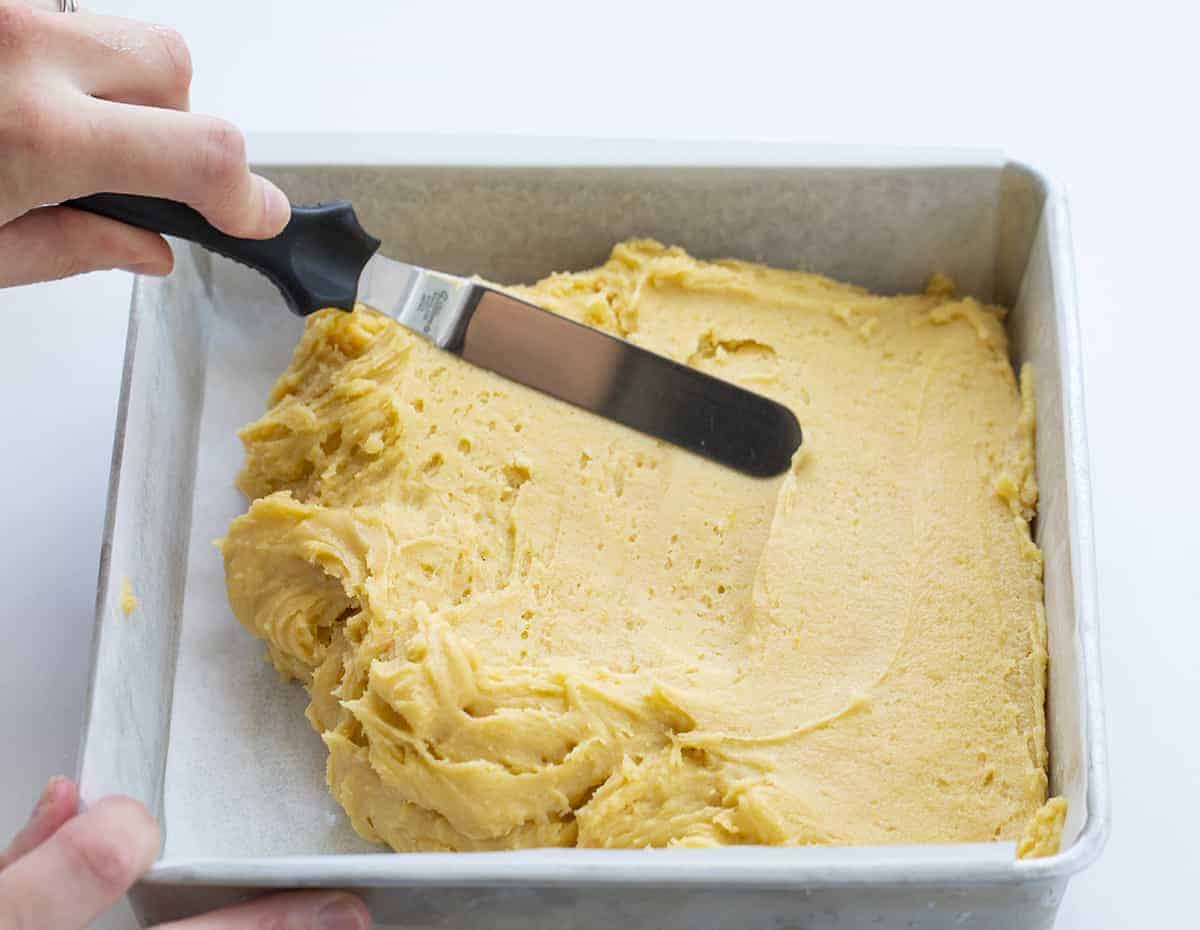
(63, 869)
(92, 103)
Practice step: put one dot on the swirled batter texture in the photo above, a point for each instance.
(523, 625)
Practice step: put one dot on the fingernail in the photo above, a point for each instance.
(277, 210)
(342, 913)
(47, 796)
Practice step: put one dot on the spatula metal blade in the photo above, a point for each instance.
(587, 367)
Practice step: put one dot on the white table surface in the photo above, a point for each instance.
(1102, 100)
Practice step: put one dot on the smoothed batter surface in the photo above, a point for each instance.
(523, 625)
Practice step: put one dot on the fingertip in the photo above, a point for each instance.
(46, 797)
(159, 266)
(276, 209)
(154, 256)
(136, 821)
(159, 258)
(59, 802)
(61, 798)
(60, 786)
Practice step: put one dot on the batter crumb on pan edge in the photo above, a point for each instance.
(128, 600)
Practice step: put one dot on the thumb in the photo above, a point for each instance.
(57, 242)
(80, 870)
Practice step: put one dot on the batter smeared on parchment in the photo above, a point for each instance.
(523, 625)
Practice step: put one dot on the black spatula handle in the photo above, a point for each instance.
(315, 262)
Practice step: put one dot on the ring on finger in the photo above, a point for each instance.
(68, 6)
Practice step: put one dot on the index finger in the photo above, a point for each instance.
(99, 145)
(82, 869)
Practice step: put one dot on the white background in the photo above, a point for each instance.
(1101, 96)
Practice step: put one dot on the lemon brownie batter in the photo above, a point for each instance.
(520, 624)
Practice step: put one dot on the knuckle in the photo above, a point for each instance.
(221, 153)
(26, 126)
(108, 864)
(178, 58)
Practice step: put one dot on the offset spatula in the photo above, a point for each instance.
(324, 258)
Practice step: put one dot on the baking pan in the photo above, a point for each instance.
(184, 714)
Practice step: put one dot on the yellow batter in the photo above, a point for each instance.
(128, 599)
(1043, 833)
(523, 625)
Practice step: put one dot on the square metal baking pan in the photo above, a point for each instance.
(212, 334)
